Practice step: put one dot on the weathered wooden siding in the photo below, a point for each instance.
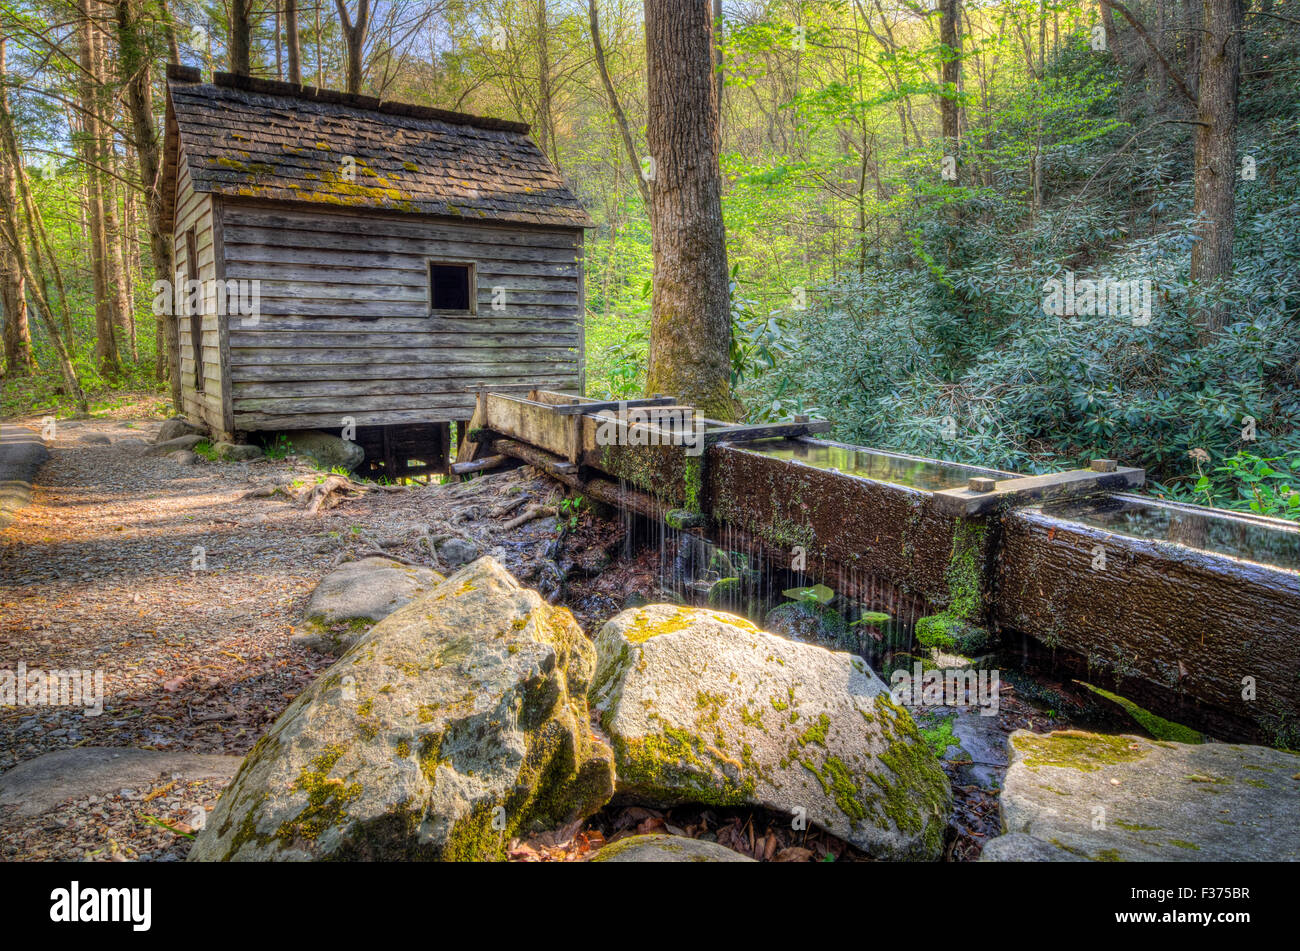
(345, 328)
(195, 210)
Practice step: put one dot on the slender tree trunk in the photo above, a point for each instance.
(18, 227)
(169, 27)
(241, 29)
(1192, 33)
(116, 275)
(279, 53)
(354, 37)
(950, 73)
(1216, 156)
(320, 66)
(620, 117)
(93, 152)
(135, 75)
(126, 288)
(13, 307)
(117, 235)
(717, 58)
(13, 285)
(690, 328)
(291, 40)
(544, 130)
(1111, 34)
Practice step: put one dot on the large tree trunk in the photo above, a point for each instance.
(291, 40)
(134, 61)
(690, 332)
(354, 37)
(13, 287)
(241, 39)
(1216, 156)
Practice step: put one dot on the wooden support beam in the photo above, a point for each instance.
(468, 450)
(766, 431)
(598, 406)
(602, 490)
(478, 465)
(532, 422)
(499, 387)
(980, 498)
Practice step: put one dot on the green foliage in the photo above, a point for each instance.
(940, 736)
(278, 448)
(570, 512)
(813, 595)
(1248, 483)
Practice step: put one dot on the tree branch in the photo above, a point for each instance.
(1174, 75)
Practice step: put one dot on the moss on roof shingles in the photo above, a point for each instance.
(261, 145)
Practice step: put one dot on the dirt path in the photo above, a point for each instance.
(183, 593)
(183, 589)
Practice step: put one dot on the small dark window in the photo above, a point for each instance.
(451, 288)
(196, 319)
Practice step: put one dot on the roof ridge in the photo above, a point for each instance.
(190, 76)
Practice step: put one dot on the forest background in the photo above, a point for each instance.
(902, 183)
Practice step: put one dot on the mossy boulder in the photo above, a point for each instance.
(1127, 798)
(173, 445)
(666, 848)
(458, 722)
(355, 596)
(236, 452)
(808, 621)
(327, 450)
(704, 707)
(726, 592)
(947, 632)
(177, 427)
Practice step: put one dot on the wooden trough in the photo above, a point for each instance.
(1197, 635)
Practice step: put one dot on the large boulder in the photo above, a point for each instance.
(328, 451)
(666, 848)
(1126, 798)
(355, 596)
(808, 621)
(236, 452)
(458, 722)
(173, 445)
(176, 427)
(704, 707)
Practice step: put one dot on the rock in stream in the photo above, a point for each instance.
(704, 707)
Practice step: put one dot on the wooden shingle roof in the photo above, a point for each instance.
(258, 139)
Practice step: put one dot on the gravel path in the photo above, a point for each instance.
(183, 593)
